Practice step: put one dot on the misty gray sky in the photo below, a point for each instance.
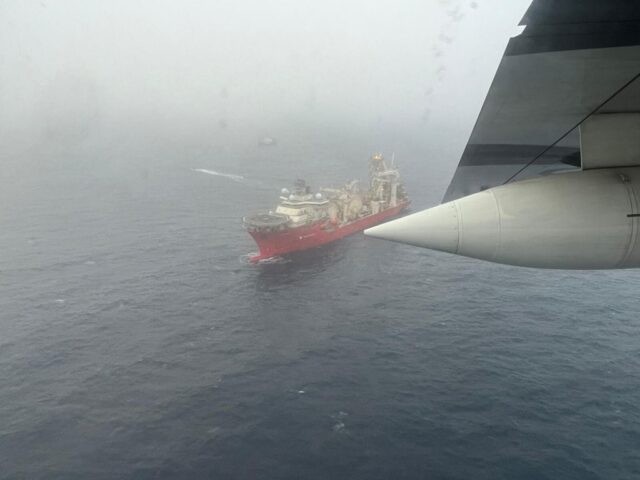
(66, 65)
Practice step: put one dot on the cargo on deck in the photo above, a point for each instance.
(306, 219)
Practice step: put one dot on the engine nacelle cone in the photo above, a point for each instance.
(577, 220)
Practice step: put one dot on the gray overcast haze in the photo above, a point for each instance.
(138, 340)
(76, 70)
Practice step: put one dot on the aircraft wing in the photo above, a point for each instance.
(573, 59)
(566, 96)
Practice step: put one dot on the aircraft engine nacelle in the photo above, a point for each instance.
(578, 220)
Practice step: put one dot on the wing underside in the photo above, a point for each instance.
(574, 59)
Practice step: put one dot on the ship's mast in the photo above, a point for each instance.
(384, 180)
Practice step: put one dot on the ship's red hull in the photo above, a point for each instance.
(273, 244)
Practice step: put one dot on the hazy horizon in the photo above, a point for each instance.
(78, 70)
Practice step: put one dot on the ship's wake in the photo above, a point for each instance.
(247, 259)
(232, 176)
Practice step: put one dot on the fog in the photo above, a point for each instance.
(73, 71)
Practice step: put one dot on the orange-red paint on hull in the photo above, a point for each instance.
(273, 244)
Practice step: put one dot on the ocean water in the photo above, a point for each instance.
(136, 342)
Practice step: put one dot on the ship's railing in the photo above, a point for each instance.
(265, 220)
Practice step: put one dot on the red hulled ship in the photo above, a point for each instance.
(304, 219)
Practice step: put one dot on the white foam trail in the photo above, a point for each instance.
(232, 176)
(265, 261)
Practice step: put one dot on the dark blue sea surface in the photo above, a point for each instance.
(137, 343)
